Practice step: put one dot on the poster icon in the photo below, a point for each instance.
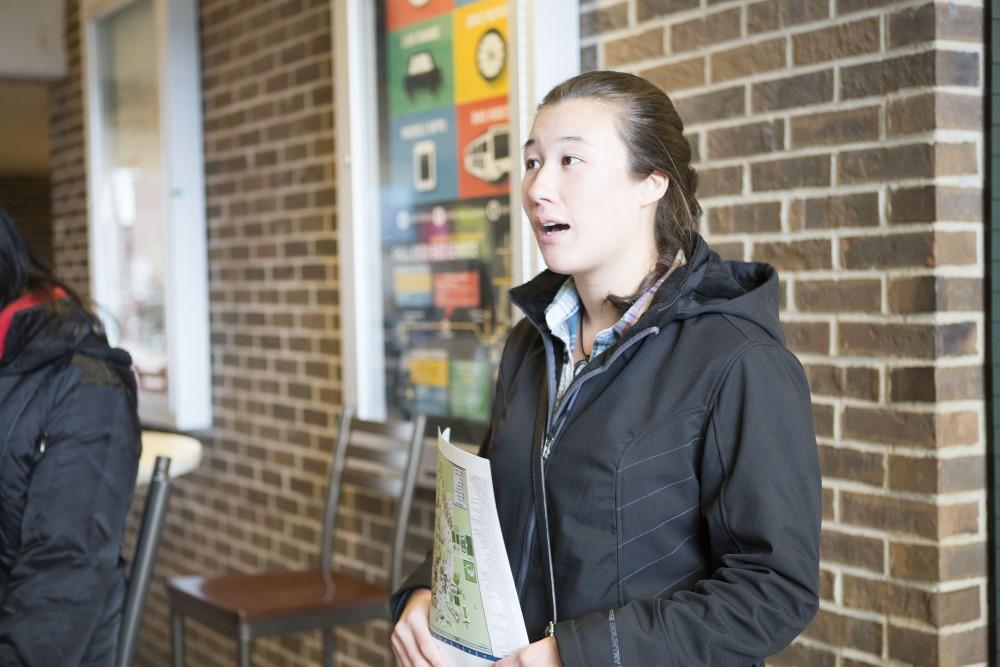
(422, 73)
(424, 165)
(491, 54)
(487, 157)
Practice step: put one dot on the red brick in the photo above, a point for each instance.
(794, 255)
(777, 14)
(642, 46)
(929, 384)
(716, 105)
(929, 111)
(945, 68)
(840, 630)
(750, 139)
(867, 553)
(746, 60)
(720, 181)
(677, 76)
(837, 42)
(793, 91)
(937, 563)
(852, 464)
(745, 218)
(789, 173)
(807, 337)
(647, 9)
(603, 19)
(927, 294)
(703, 32)
(879, 425)
(834, 128)
(838, 296)
(934, 204)
(854, 210)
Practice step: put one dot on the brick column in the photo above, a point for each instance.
(842, 142)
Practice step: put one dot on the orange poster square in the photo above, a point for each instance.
(399, 13)
(456, 289)
(484, 151)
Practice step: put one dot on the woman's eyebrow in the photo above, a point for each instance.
(532, 142)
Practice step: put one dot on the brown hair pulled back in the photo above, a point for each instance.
(653, 134)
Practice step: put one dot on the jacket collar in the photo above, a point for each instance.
(534, 296)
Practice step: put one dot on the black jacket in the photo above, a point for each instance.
(69, 448)
(681, 495)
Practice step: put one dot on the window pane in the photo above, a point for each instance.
(130, 188)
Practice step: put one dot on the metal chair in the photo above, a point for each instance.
(370, 456)
(146, 546)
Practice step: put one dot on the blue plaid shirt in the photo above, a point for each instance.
(563, 319)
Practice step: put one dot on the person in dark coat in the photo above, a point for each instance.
(654, 458)
(69, 450)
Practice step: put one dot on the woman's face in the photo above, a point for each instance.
(591, 216)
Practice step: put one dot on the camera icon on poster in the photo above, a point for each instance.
(424, 166)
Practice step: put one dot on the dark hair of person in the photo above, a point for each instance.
(653, 134)
(22, 272)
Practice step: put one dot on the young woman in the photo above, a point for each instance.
(654, 458)
(69, 448)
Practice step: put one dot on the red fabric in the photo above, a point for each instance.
(29, 300)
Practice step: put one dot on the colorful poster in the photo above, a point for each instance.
(444, 206)
(421, 76)
(480, 34)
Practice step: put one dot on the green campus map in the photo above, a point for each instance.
(458, 612)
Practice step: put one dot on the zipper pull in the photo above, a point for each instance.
(41, 443)
(546, 447)
(550, 629)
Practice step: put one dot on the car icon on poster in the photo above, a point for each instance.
(487, 157)
(491, 54)
(424, 166)
(422, 73)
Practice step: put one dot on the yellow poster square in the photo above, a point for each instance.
(481, 57)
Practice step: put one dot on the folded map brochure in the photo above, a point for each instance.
(475, 613)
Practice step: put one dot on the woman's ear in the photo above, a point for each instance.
(653, 187)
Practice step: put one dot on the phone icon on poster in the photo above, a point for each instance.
(424, 166)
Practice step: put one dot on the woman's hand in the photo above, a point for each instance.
(543, 653)
(411, 638)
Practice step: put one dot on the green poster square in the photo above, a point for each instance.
(421, 71)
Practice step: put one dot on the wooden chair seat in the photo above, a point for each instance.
(271, 596)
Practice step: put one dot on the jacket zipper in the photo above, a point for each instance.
(550, 438)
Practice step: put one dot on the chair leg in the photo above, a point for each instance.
(177, 638)
(243, 649)
(329, 648)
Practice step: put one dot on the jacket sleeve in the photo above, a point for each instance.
(760, 499)
(65, 574)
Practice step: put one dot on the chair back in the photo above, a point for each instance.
(146, 545)
(377, 457)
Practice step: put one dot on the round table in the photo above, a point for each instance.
(183, 450)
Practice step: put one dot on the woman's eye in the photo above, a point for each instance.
(569, 160)
(531, 163)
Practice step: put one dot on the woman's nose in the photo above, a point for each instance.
(538, 185)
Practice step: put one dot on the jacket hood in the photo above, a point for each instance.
(39, 336)
(706, 284)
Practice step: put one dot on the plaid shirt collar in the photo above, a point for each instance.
(563, 319)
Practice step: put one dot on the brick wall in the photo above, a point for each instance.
(841, 141)
(26, 199)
